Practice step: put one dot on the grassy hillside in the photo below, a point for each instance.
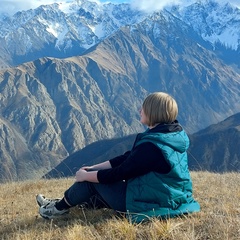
(218, 195)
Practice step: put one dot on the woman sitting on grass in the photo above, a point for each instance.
(151, 180)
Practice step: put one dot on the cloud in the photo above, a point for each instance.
(12, 6)
(154, 5)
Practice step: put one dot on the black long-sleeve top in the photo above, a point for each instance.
(141, 160)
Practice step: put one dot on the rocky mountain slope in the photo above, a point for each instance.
(70, 27)
(60, 29)
(214, 149)
(217, 23)
(50, 108)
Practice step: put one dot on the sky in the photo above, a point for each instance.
(12, 6)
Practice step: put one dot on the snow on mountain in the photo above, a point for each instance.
(62, 29)
(71, 27)
(52, 107)
(215, 22)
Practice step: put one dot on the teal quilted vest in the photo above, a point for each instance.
(163, 195)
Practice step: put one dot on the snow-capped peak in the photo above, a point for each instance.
(72, 26)
(215, 22)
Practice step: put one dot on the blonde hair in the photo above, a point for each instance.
(160, 107)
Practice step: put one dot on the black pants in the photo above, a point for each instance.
(98, 195)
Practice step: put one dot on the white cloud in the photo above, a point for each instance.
(12, 6)
(154, 5)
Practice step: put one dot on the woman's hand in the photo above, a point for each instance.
(88, 168)
(83, 175)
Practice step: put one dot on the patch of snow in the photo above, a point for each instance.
(98, 30)
(61, 37)
(52, 29)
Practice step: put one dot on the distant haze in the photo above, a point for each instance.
(13, 6)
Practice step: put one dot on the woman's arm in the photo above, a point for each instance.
(143, 159)
(89, 173)
(114, 162)
(103, 165)
(83, 175)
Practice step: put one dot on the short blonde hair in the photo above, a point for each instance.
(160, 107)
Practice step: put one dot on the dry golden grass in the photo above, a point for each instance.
(218, 195)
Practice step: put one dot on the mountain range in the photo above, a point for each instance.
(75, 75)
(69, 28)
(216, 148)
(213, 149)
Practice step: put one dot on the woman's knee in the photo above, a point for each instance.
(77, 193)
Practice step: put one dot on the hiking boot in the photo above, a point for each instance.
(42, 200)
(49, 211)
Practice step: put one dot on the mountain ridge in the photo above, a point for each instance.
(216, 148)
(63, 33)
(52, 107)
(207, 151)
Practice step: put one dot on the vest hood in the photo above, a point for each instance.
(178, 141)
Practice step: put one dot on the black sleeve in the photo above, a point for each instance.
(119, 159)
(141, 160)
